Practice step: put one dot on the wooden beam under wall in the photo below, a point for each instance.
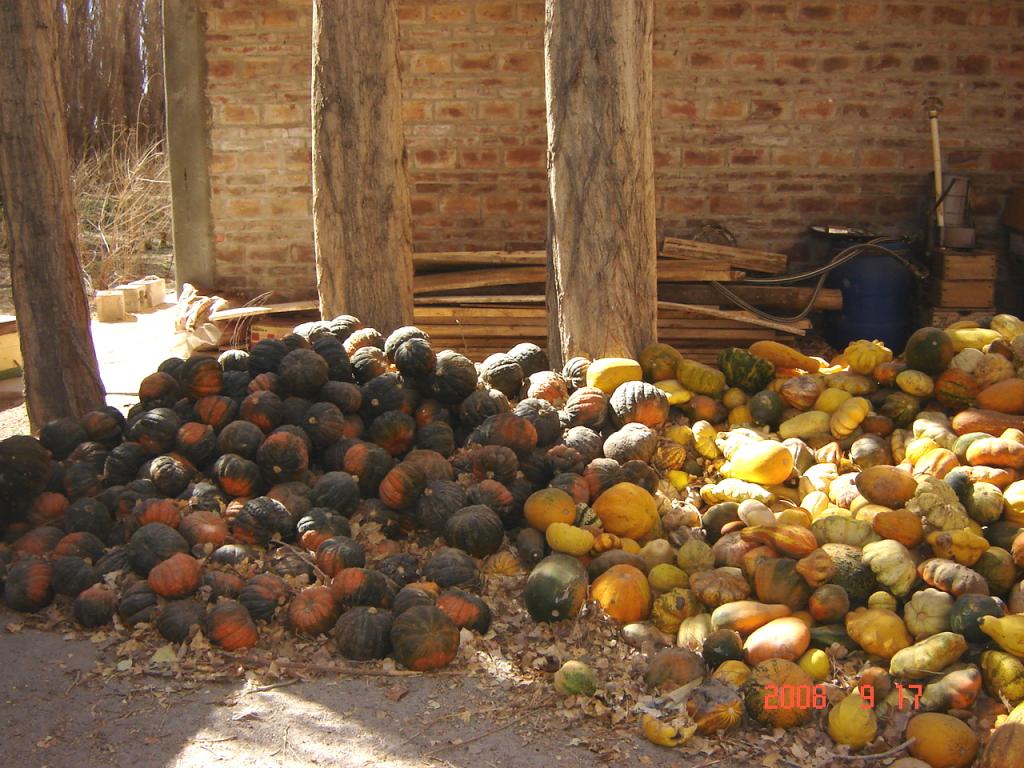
(188, 143)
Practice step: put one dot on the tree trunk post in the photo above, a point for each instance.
(362, 218)
(598, 85)
(61, 374)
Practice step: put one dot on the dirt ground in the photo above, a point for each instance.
(58, 711)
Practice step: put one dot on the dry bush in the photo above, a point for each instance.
(123, 198)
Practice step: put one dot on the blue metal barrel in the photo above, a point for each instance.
(878, 295)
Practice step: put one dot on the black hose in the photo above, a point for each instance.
(821, 273)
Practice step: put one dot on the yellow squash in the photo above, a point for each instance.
(1007, 631)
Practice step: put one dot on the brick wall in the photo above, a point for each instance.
(769, 116)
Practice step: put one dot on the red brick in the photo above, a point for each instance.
(727, 204)
(526, 61)
(963, 159)
(794, 61)
(447, 13)
(771, 11)
(701, 157)
(416, 111)
(220, 69)
(665, 60)
(422, 204)
(460, 204)
(706, 60)
(949, 14)
(525, 157)
(728, 11)
(836, 63)
(1007, 161)
(817, 12)
(431, 63)
(836, 158)
(807, 205)
(754, 61)
(882, 62)
(279, 19)
(727, 110)
(927, 63)
(906, 13)
(434, 158)
(410, 14)
(676, 108)
(859, 12)
(878, 158)
(478, 158)
(762, 109)
(975, 64)
(682, 204)
(499, 110)
(815, 110)
(747, 157)
(491, 12)
(453, 110)
(501, 204)
(475, 62)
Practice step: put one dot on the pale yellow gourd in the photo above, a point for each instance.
(915, 383)
(805, 425)
(849, 416)
(829, 400)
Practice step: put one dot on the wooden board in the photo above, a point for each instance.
(796, 328)
(478, 278)
(740, 258)
(470, 300)
(263, 309)
(683, 272)
(948, 264)
(428, 261)
(965, 294)
(769, 297)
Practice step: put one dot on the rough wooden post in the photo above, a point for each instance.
(61, 374)
(597, 69)
(361, 212)
(188, 143)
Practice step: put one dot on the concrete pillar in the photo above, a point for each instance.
(188, 142)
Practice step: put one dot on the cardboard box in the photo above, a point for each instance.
(271, 327)
(11, 362)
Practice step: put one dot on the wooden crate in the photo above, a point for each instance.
(948, 264)
(962, 294)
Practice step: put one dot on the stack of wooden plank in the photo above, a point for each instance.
(962, 282)
(485, 302)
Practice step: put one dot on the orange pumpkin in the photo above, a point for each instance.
(624, 593)
(313, 611)
(785, 638)
(178, 576)
(547, 506)
(230, 626)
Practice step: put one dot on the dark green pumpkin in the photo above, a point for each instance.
(745, 370)
(556, 588)
(476, 529)
(424, 638)
(153, 543)
(95, 606)
(722, 645)
(363, 634)
(200, 377)
(303, 372)
(450, 567)
(929, 350)
(264, 409)
(260, 520)
(440, 500)
(455, 377)
(967, 612)
(263, 594)
(415, 359)
(28, 586)
(179, 618)
(282, 457)
(363, 586)
(766, 407)
(394, 431)
(138, 604)
(502, 373)
(467, 610)
(72, 575)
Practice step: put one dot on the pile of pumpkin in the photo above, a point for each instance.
(763, 518)
(861, 505)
